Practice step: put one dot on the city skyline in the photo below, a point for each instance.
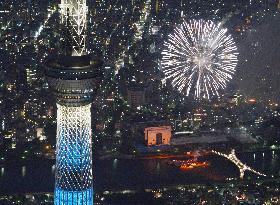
(143, 102)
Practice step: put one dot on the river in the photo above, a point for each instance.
(120, 174)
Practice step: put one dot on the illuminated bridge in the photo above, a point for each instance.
(242, 167)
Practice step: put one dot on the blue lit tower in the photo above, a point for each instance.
(73, 78)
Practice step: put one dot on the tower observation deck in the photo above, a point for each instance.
(74, 78)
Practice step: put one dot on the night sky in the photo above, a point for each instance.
(258, 72)
(258, 41)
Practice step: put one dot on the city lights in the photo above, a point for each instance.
(139, 102)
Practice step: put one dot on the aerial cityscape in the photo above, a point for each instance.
(139, 102)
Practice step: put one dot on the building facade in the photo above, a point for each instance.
(158, 135)
(136, 97)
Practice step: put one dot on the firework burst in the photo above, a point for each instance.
(199, 58)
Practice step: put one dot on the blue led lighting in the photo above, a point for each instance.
(63, 197)
(74, 157)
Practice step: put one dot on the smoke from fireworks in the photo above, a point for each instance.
(199, 58)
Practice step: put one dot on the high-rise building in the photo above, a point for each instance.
(27, 66)
(159, 4)
(136, 96)
(73, 78)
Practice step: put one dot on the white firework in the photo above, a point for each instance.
(199, 58)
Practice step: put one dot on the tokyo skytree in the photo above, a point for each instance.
(74, 78)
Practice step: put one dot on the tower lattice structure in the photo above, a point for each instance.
(74, 156)
(74, 13)
(74, 78)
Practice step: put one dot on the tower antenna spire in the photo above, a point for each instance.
(74, 12)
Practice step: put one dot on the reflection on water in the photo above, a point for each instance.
(115, 164)
(23, 171)
(2, 172)
(158, 166)
(53, 169)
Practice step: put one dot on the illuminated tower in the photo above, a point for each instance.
(74, 78)
(74, 15)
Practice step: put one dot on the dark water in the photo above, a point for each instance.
(124, 174)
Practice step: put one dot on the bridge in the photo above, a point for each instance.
(242, 167)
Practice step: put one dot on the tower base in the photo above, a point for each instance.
(64, 197)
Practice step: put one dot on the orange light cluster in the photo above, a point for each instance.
(164, 156)
(191, 165)
(252, 101)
